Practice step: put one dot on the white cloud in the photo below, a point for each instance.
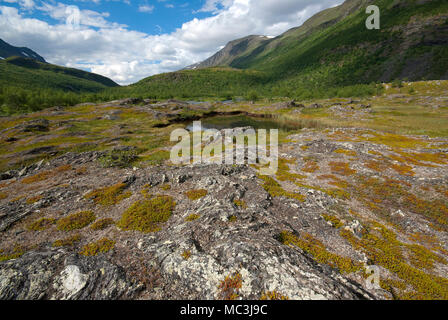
(146, 8)
(126, 56)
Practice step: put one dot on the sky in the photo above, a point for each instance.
(128, 40)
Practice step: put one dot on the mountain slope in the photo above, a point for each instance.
(257, 45)
(7, 50)
(334, 49)
(28, 73)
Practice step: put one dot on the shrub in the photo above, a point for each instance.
(41, 224)
(109, 195)
(76, 221)
(117, 158)
(192, 217)
(101, 246)
(67, 242)
(102, 224)
(147, 215)
(196, 194)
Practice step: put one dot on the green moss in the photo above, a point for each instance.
(240, 203)
(102, 224)
(110, 195)
(192, 217)
(233, 218)
(67, 242)
(75, 221)
(273, 295)
(317, 250)
(334, 221)
(41, 224)
(196, 194)
(165, 187)
(17, 252)
(147, 215)
(186, 254)
(117, 158)
(276, 190)
(101, 246)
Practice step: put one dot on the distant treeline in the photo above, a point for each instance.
(14, 100)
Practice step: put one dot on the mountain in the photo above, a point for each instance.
(233, 49)
(331, 51)
(29, 73)
(7, 50)
(255, 44)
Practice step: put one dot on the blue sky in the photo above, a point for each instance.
(128, 40)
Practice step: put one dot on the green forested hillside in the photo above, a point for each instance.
(28, 85)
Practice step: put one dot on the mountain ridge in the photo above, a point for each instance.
(7, 50)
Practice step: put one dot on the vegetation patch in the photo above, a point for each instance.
(117, 158)
(192, 217)
(317, 250)
(67, 242)
(41, 224)
(101, 246)
(341, 168)
(147, 215)
(109, 195)
(230, 287)
(44, 175)
(273, 295)
(75, 221)
(276, 190)
(34, 199)
(17, 252)
(102, 224)
(165, 187)
(335, 222)
(240, 203)
(3, 195)
(186, 254)
(384, 249)
(196, 194)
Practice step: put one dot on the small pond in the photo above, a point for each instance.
(236, 121)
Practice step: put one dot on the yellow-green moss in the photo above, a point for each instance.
(101, 246)
(75, 221)
(165, 187)
(346, 152)
(44, 175)
(102, 224)
(273, 295)
(232, 218)
(276, 190)
(147, 215)
(334, 221)
(33, 199)
(41, 224)
(67, 242)
(186, 254)
(196, 194)
(192, 217)
(3, 195)
(316, 248)
(109, 195)
(17, 252)
(240, 203)
(230, 287)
